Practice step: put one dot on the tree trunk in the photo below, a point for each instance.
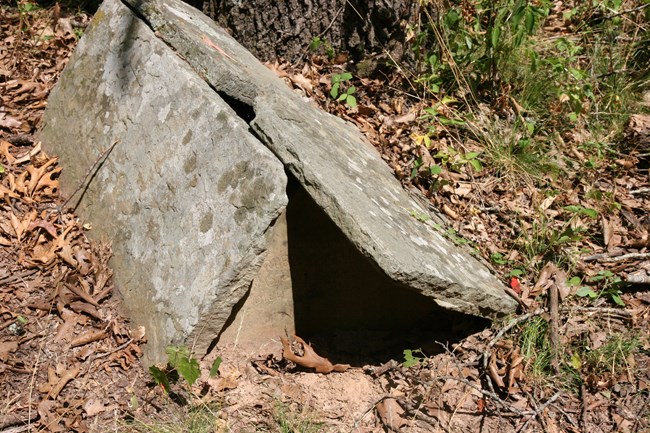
(285, 28)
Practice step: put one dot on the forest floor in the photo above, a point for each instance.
(571, 245)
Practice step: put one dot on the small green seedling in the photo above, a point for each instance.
(346, 95)
(422, 217)
(410, 359)
(499, 259)
(581, 210)
(317, 43)
(180, 360)
(611, 288)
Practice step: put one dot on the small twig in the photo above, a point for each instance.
(417, 413)
(19, 429)
(554, 324)
(637, 423)
(367, 411)
(604, 310)
(583, 411)
(384, 368)
(640, 191)
(636, 9)
(538, 414)
(516, 297)
(13, 278)
(514, 323)
(638, 279)
(90, 171)
(11, 419)
(567, 416)
(540, 409)
(117, 349)
(493, 396)
(604, 257)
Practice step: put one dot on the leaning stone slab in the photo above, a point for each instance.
(337, 167)
(186, 194)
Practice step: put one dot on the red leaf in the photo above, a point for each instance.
(515, 285)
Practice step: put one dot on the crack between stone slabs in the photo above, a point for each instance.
(243, 110)
(139, 15)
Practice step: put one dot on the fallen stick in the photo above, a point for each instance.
(607, 258)
(554, 324)
(539, 410)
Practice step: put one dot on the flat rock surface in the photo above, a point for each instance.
(337, 167)
(187, 193)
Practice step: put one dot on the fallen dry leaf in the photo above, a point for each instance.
(310, 359)
(6, 348)
(93, 407)
(390, 413)
(67, 376)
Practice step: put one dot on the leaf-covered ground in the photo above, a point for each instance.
(576, 358)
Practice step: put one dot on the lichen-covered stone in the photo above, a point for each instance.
(337, 167)
(192, 185)
(186, 195)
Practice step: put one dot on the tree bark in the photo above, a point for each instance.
(271, 29)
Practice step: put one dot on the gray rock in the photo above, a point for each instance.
(186, 195)
(204, 132)
(339, 169)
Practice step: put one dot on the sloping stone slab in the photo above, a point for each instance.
(187, 193)
(337, 167)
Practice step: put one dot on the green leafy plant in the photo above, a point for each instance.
(181, 361)
(411, 357)
(422, 217)
(499, 259)
(27, 7)
(456, 160)
(443, 114)
(451, 234)
(535, 346)
(318, 43)
(342, 90)
(581, 210)
(473, 50)
(611, 287)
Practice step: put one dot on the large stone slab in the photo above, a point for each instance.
(337, 167)
(187, 193)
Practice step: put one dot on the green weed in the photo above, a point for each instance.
(610, 286)
(342, 90)
(536, 347)
(412, 357)
(318, 43)
(611, 358)
(180, 362)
